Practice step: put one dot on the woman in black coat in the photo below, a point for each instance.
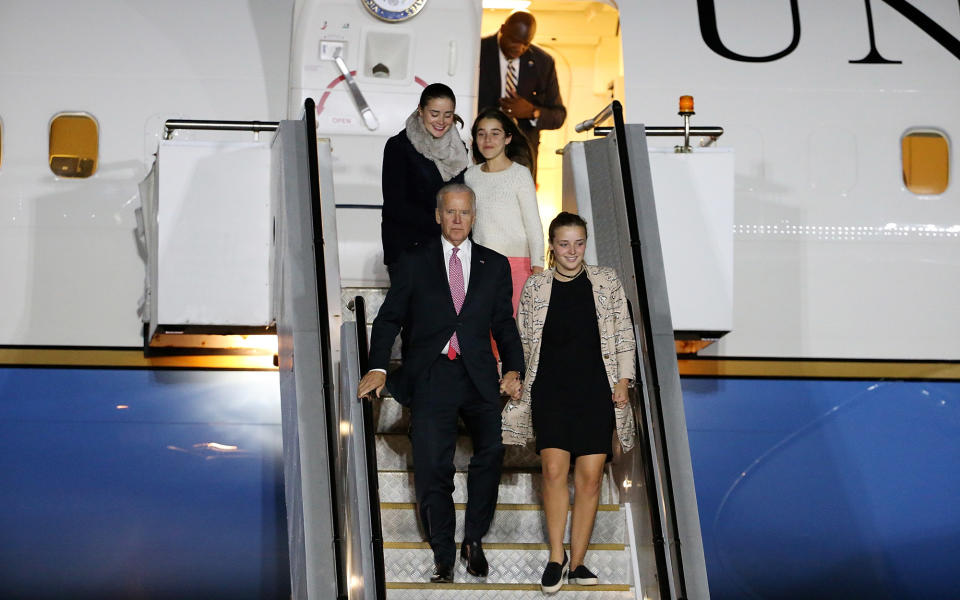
(417, 162)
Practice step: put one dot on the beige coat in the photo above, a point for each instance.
(617, 343)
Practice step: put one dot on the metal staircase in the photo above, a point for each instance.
(646, 542)
(648, 528)
(515, 546)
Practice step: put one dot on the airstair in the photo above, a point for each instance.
(514, 546)
(646, 540)
(351, 520)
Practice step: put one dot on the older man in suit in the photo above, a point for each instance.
(521, 79)
(448, 295)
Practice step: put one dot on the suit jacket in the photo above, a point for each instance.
(410, 184)
(617, 343)
(419, 302)
(537, 84)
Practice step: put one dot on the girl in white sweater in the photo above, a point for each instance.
(508, 219)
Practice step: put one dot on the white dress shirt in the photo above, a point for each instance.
(466, 251)
(503, 74)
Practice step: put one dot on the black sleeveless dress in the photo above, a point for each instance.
(571, 396)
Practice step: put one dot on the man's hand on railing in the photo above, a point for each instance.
(372, 381)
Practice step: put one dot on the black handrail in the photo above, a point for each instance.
(654, 380)
(172, 125)
(323, 318)
(370, 446)
(713, 131)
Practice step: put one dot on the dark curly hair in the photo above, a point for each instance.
(518, 150)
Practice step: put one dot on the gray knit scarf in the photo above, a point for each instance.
(447, 152)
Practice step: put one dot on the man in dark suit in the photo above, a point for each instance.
(521, 79)
(448, 295)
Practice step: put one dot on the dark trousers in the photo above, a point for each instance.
(443, 394)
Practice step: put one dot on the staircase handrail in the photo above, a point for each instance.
(651, 380)
(370, 446)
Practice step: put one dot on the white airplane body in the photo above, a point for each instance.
(834, 258)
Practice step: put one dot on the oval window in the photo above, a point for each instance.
(926, 161)
(74, 144)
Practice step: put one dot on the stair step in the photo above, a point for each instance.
(502, 546)
(514, 545)
(523, 523)
(373, 298)
(509, 563)
(395, 454)
(517, 486)
(390, 416)
(496, 591)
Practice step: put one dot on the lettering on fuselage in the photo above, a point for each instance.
(711, 34)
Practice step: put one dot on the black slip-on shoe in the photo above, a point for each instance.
(442, 574)
(471, 553)
(553, 575)
(582, 576)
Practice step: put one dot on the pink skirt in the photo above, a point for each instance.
(519, 272)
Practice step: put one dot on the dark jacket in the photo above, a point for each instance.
(419, 303)
(410, 185)
(537, 84)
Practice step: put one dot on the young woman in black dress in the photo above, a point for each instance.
(580, 350)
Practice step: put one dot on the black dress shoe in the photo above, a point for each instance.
(442, 574)
(471, 553)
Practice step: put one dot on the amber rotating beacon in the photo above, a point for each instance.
(686, 111)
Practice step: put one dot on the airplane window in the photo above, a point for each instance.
(74, 145)
(926, 161)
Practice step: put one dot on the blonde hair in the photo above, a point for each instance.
(564, 219)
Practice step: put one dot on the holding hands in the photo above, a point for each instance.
(620, 397)
(374, 381)
(511, 385)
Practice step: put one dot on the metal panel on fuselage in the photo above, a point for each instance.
(440, 44)
(71, 270)
(833, 256)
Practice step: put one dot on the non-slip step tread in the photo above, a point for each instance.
(518, 591)
(517, 486)
(463, 506)
(394, 452)
(521, 523)
(509, 563)
(503, 546)
(410, 585)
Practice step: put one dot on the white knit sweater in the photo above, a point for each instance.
(508, 219)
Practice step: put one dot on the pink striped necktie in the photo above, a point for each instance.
(457, 292)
